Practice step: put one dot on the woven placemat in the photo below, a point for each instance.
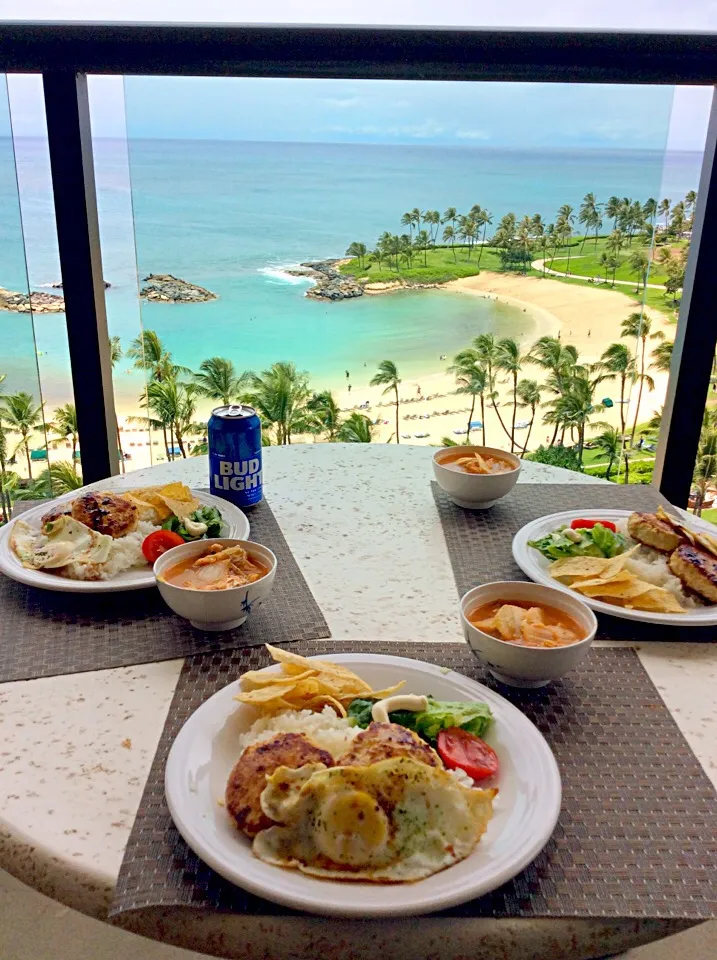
(43, 633)
(637, 834)
(480, 542)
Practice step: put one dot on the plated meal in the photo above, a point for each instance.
(341, 781)
(636, 562)
(362, 785)
(109, 540)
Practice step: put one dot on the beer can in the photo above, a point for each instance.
(234, 434)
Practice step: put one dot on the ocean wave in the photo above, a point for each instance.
(280, 275)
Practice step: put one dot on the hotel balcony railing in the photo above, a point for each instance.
(66, 53)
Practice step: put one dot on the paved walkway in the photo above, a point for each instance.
(538, 265)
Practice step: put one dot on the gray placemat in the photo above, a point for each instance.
(637, 834)
(480, 542)
(43, 633)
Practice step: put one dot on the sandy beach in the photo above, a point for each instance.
(585, 317)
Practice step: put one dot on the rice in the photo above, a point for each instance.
(125, 554)
(652, 566)
(331, 733)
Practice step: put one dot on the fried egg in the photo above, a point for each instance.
(64, 541)
(393, 821)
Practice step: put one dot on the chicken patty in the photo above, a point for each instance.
(105, 513)
(379, 741)
(248, 778)
(650, 530)
(61, 510)
(697, 569)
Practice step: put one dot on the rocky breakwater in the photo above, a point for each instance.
(329, 284)
(32, 303)
(168, 289)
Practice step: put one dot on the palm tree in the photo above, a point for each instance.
(467, 232)
(387, 376)
(150, 354)
(564, 226)
(55, 480)
(573, 408)
(432, 217)
(524, 237)
(355, 429)
(449, 236)
(486, 348)
(115, 357)
(649, 211)
(662, 356)
(327, 412)
(281, 396)
(529, 396)
(407, 221)
(20, 414)
(472, 379)
(174, 405)
(65, 426)
(690, 201)
(607, 263)
(588, 209)
(423, 242)
(637, 326)
(218, 380)
(614, 245)
(612, 210)
(609, 442)
(617, 361)
(664, 210)
(705, 465)
(485, 220)
(677, 221)
(358, 251)
(450, 216)
(5, 482)
(509, 359)
(639, 264)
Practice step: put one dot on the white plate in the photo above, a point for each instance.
(535, 566)
(234, 524)
(525, 812)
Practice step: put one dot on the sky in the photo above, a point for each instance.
(475, 114)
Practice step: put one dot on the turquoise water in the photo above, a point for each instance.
(231, 215)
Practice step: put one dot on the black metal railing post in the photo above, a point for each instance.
(695, 341)
(73, 186)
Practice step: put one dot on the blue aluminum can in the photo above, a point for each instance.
(234, 434)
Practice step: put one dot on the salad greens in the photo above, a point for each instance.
(204, 515)
(440, 715)
(597, 541)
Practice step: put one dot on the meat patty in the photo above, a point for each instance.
(105, 513)
(248, 778)
(379, 741)
(697, 569)
(648, 529)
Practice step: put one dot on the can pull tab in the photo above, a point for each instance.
(234, 410)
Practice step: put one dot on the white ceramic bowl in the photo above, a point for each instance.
(215, 609)
(520, 666)
(475, 491)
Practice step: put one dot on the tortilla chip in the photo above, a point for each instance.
(179, 498)
(615, 589)
(657, 600)
(589, 567)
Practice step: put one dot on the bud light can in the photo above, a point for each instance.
(234, 434)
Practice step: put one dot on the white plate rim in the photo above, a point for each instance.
(412, 898)
(234, 519)
(533, 563)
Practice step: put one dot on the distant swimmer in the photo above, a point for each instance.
(347, 374)
(442, 356)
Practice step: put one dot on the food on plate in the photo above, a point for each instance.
(305, 684)
(218, 568)
(612, 581)
(461, 750)
(526, 624)
(258, 762)
(648, 561)
(697, 569)
(652, 531)
(106, 513)
(354, 797)
(478, 463)
(381, 740)
(393, 821)
(158, 543)
(121, 523)
(438, 715)
(598, 540)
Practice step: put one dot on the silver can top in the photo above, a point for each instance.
(234, 411)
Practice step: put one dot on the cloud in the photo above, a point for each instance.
(473, 135)
(342, 103)
(420, 131)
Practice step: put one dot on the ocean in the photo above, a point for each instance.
(232, 216)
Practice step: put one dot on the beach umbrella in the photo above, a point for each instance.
(522, 424)
(476, 425)
(607, 402)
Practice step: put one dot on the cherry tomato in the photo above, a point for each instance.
(589, 524)
(158, 543)
(464, 750)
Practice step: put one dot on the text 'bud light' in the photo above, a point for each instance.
(235, 454)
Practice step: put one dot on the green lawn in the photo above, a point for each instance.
(586, 261)
(441, 266)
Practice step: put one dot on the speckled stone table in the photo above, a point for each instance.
(76, 750)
